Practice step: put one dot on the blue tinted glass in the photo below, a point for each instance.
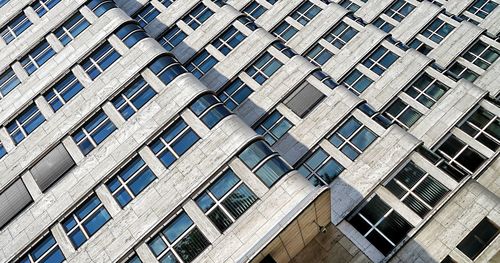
(363, 139)
(55, 256)
(113, 184)
(215, 115)
(220, 187)
(77, 238)
(174, 229)
(141, 181)
(131, 168)
(349, 127)
(42, 247)
(96, 221)
(123, 197)
(203, 103)
(205, 202)
(87, 207)
(174, 130)
(167, 158)
(254, 153)
(69, 223)
(34, 123)
(103, 132)
(157, 245)
(3, 152)
(143, 97)
(272, 170)
(185, 142)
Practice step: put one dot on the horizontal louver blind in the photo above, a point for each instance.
(51, 167)
(303, 101)
(14, 199)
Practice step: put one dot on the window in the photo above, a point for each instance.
(352, 138)
(71, 28)
(166, 3)
(25, 123)
(420, 46)
(305, 13)
(263, 68)
(349, 5)
(478, 239)
(130, 34)
(459, 71)
(381, 225)
(325, 79)
(52, 167)
(197, 16)
(93, 132)
(437, 30)
(265, 163)
(44, 251)
(285, 50)
(3, 2)
(417, 189)
(402, 113)
(201, 64)
(460, 156)
(146, 15)
(41, 7)
(320, 168)
(13, 200)
(483, 126)
(319, 55)
(130, 181)
(426, 90)
(225, 200)
(399, 10)
(304, 99)
(99, 7)
(166, 68)
(285, 31)
(384, 25)
(482, 55)
(273, 127)
(254, 9)
(173, 142)
(380, 60)
(85, 221)
(209, 109)
(15, 27)
(134, 97)
(3, 152)
(171, 38)
(8, 81)
(179, 241)
(235, 93)
(229, 40)
(340, 35)
(37, 57)
(247, 22)
(482, 8)
(357, 82)
(448, 259)
(134, 259)
(63, 91)
(99, 60)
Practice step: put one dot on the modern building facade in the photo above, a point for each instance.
(249, 131)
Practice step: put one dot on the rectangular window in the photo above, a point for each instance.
(44, 251)
(264, 162)
(352, 138)
(14, 199)
(381, 225)
(8, 81)
(15, 27)
(460, 156)
(273, 127)
(133, 259)
(285, 31)
(399, 10)
(420, 46)
(99, 60)
(254, 10)
(167, 3)
(483, 126)
(146, 15)
(401, 113)
(130, 34)
(134, 97)
(93, 132)
(210, 110)
(201, 64)
(130, 181)
(357, 82)
(71, 28)
(459, 71)
(52, 167)
(36, 57)
(197, 16)
(482, 8)
(380, 60)
(426, 90)
(3, 2)
(41, 7)
(437, 30)
(25, 123)
(340, 35)
(304, 99)
(478, 239)
(99, 7)
(482, 55)
(383, 25)
(171, 38)
(417, 189)
(173, 142)
(228, 40)
(3, 152)
(349, 5)
(180, 241)
(320, 168)
(263, 68)
(85, 221)
(225, 200)
(234, 94)
(63, 91)
(305, 13)
(319, 55)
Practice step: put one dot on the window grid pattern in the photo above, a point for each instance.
(263, 68)
(459, 71)
(8, 82)
(484, 127)
(171, 38)
(420, 46)
(41, 7)
(274, 127)
(93, 132)
(134, 97)
(319, 55)
(399, 10)
(383, 25)
(320, 168)
(146, 15)
(305, 13)
(100, 60)
(352, 138)
(229, 40)
(402, 113)
(380, 60)
(68, 31)
(285, 31)
(437, 30)
(63, 91)
(209, 109)
(460, 156)
(426, 90)
(357, 82)
(482, 8)
(254, 9)
(201, 64)
(25, 123)
(38, 56)
(197, 16)
(15, 28)
(45, 251)
(235, 93)
(482, 55)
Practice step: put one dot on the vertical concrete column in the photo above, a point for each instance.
(151, 161)
(31, 185)
(107, 200)
(145, 253)
(201, 221)
(62, 240)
